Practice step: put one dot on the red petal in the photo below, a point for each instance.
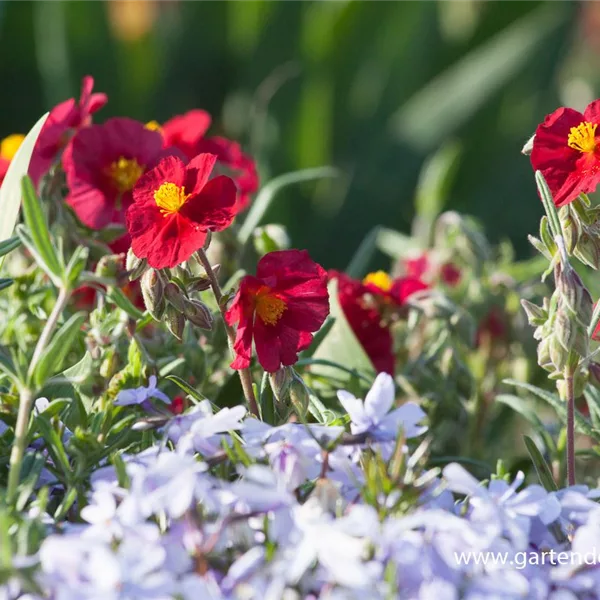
(212, 208)
(592, 113)
(199, 170)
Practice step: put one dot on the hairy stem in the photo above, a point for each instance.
(245, 376)
(18, 449)
(26, 394)
(570, 430)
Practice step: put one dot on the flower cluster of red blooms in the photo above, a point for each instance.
(367, 306)
(171, 185)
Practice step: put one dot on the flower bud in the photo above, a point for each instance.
(536, 315)
(579, 382)
(543, 354)
(588, 251)
(198, 314)
(199, 284)
(280, 382)
(299, 396)
(575, 295)
(594, 374)
(135, 266)
(175, 321)
(110, 265)
(153, 293)
(570, 227)
(558, 354)
(528, 147)
(175, 296)
(270, 238)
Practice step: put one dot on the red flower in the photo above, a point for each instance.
(175, 207)
(492, 327)
(398, 290)
(8, 148)
(566, 149)
(450, 274)
(178, 405)
(187, 133)
(103, 163)
(279, 309)
(366, 322)
(418, 266)
(62, 122)
(404, 287)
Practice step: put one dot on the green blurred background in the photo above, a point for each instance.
(371, 87)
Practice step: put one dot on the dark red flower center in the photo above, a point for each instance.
(170, 198)
(583, 137)
(269, 306)
(124, 173)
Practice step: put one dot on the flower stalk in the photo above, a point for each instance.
(245, 375)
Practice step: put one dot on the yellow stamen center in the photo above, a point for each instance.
(154, 126)
(170, 198)
(9, 146)
(583, 137)
(269, 307)
(124, 173)
(379, 279)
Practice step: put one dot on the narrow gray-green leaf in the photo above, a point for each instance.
(38, 228)
(52, 358)
(582, 425)
(9, 245)
(267, 195)
(541, 467)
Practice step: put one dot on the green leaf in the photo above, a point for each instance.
(10, 190)
(526, 410)
(38, 229)
(76, 265)
(435, 181)
(266, 401)
(30, 473)
(541, 467)
(186, 387)
(9, 245)
(341, 346)
(54, 355)
(4, 283)
(449, 100)
(117, 296)
(268, 193)
(582, 425)
(54, 444)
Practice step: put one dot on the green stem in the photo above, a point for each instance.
(570, 430)
(245, 375)
(18, 449)
(26, 395)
